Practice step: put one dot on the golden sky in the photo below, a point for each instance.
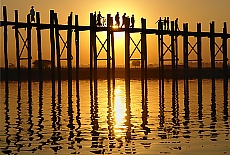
(203, 11)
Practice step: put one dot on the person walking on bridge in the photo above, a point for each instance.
(132, 21)
(32, 14)
(160, 24)
(176, 25)
(99, 17)
(123, 20)
(117, 19)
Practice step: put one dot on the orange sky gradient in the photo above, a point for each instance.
(192, 12)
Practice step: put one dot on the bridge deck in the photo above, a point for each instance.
(130, 30)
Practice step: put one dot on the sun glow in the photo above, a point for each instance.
(115, 27)
(119, 35)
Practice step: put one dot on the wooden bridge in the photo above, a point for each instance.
(73, 30)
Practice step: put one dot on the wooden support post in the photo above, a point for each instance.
(17, 44)
(113, 58)
(108, 52)
(173, 47)
(212, 45)
(199, 55)
(52, 49)
(225, 57)
(39, 46)
(176, 44)
(29, 46)
(127, 55)
(94, 50)
(77, 53)
(144, 55)
(95, 61)
(108, 47)
(161, 50)
(69, 55)
(185, 51)
(58, 53)
(5, 43)
(92, 27)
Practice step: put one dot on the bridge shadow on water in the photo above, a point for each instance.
(74, 138)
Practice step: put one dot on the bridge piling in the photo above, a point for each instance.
(58, 53)
(29, 49)
(52, 49)
(173, 49)
(127, 55)
(77, 45)
(69, 55)
(108, 50)
(185, 48)
(113, 58)
(5, 43)
(161, 50)
(39, 46)
(143, 57)
(199, 45)
(224, 44)
(92, 25)
(212, 45)
(16, 31)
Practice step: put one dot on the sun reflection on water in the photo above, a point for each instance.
(119, 113)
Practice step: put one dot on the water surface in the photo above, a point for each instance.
(173, 117)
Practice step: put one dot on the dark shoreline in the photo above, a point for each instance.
(135, 73)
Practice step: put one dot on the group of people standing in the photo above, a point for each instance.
(164, 24)
(117, 19)
(101, 21)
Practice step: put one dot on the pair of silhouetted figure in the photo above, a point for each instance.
(100, 21)
(166, 23)
(117, 19)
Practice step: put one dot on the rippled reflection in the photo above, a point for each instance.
(119, 113)
(170, 117)
(6, 150)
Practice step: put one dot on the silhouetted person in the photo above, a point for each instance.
(132, 21)
(176, 25)
(99, 19)
(160, 21)
(167, 23)
(32, 14)
(123, 20)
(117, 19)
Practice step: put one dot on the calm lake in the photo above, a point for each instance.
(182, 117)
